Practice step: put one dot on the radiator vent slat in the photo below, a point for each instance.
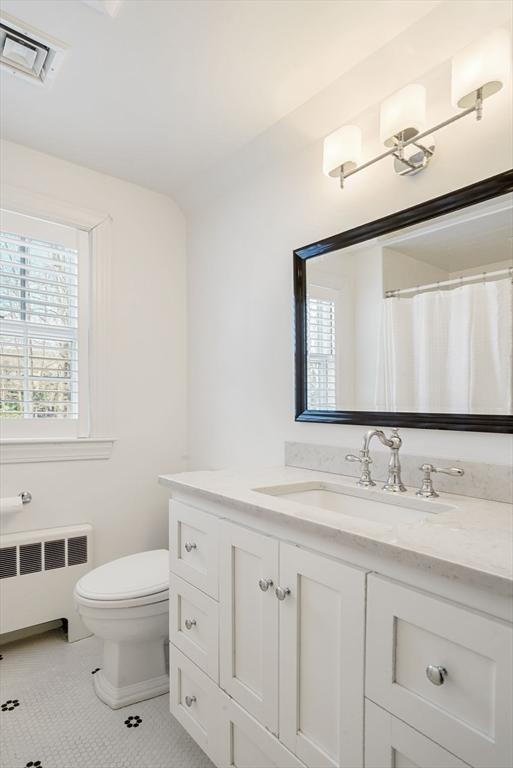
(54, 554)
(7, 562)
(77, 550)
(30, 558)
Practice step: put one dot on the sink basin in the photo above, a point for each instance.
(366, 503)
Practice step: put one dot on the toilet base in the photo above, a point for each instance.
(116, 698)
(134, 671)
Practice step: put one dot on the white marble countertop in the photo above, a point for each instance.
(471, 541)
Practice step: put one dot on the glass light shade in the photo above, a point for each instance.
(484, 64)
(342, 148)
(403, 113)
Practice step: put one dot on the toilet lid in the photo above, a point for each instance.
(146, 573)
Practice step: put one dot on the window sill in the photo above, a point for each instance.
(29, 450)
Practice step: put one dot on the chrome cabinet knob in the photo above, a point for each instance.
(436, 674)
(264, 584)
(190, 623)
(282, 592)
(190, 545)
(190, 700)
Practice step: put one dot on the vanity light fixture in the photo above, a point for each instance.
(478, 71)
(342, 150)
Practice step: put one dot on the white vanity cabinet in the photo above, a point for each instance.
(285, 656)
(465, 702)
(304, 651)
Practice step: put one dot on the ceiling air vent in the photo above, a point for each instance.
(28, 53)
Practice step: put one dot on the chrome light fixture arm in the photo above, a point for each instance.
(397, 151)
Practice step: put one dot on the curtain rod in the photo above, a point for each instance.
(445, 283)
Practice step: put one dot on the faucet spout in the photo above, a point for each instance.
(394, 483)
(375, 433)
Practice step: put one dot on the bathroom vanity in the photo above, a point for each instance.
(314, 623)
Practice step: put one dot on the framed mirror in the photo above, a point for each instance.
(407, 321)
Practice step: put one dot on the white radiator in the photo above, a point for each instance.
(38, 571)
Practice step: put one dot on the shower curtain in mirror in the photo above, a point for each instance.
(447, 351)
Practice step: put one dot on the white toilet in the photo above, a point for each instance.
(126, 604)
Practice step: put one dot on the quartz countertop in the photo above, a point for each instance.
(470, 541)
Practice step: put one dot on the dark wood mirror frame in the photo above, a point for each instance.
(453, 201)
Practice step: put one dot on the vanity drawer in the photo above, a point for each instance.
(470, 712)
(194, 625)
(195, 701)
(390, 743)
(193, 546)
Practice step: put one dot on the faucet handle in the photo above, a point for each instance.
(426, 490)
(362, 458)
(365, 480)
(449, 471)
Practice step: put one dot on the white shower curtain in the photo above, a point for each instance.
(447, 351)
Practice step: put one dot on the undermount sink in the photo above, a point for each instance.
(369, 504)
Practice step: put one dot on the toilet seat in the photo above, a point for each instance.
(130, 581)
(104, 605)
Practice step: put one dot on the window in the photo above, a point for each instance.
(44, 278)
(322, 394)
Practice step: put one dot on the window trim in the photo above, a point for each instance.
(94, 440)
(77, 426)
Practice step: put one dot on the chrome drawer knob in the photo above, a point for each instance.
(190, 545)
(282, 592)
(264, 584)
(190, 700)
(435, 674)
(190, 623)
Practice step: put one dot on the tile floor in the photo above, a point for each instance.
(50, 716)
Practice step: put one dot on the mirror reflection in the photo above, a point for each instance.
(419, 320)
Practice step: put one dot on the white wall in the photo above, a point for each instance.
(119, 496)
(402, 271)
(240, 294)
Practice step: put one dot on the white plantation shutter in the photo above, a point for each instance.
(321, 370)
(40, 316)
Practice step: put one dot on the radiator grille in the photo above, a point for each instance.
(7, 562)
(30, 558)
(77, 550)
(54, 554)
(31, 555)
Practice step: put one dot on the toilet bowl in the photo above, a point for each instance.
(125, 603)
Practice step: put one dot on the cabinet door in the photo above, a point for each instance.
(248, 637)
(321, 659)
(390, 743)
(244, 743)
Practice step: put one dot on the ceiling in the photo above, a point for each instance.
(170, 88)
(464, 241)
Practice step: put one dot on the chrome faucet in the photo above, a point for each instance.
(394, 483)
